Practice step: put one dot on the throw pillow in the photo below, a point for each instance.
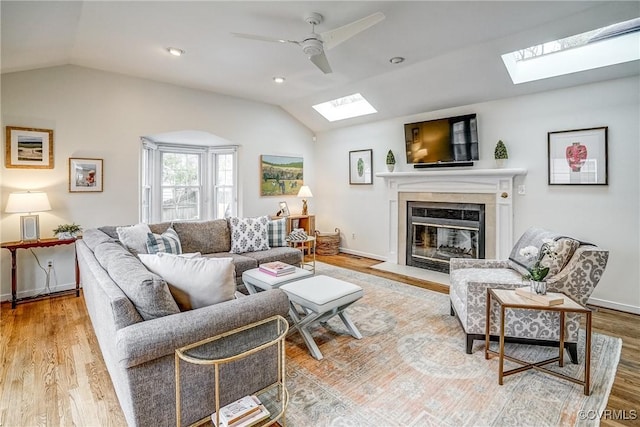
(249, 234)
(277, 231)
(194, 282)
(134, 237)
(563, 249)
(166, 242)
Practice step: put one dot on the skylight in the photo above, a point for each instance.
(345, 108)
(614, 44)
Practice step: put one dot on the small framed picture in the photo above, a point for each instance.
(578, 157)
(284, 209)
(360, 170)
(28, 148)
(85, 175)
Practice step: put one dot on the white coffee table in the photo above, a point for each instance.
(255, 279)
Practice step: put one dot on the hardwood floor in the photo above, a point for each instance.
(52, 372)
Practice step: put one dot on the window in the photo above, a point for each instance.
(614, 44)
(345, 108)
(187, 182)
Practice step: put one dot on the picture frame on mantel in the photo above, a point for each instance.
(28, 148)
(360, 167)
(85, 175)
(578, 157)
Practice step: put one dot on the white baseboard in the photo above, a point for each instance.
(33, 292)
(614, 305)
(363, 254)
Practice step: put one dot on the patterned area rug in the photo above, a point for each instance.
(410, 369)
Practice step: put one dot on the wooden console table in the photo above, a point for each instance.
(42, 243)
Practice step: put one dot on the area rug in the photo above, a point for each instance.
(410, 369)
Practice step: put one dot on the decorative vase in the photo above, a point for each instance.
(500, 163)
(390, 167)
(65, 235)
(576, 154)
(539, 287)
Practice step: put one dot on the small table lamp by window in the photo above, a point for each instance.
(28, 202)
(305, 192)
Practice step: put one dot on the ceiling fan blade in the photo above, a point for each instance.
(263, 38)
(333, 38)
(321, 62)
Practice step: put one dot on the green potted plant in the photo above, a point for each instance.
(391, 161)
(501, 154)
(67, 231)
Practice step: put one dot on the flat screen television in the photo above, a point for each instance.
(452, 141)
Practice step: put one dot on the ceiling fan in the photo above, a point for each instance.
(314, 44)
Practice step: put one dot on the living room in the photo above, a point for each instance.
(103, 113)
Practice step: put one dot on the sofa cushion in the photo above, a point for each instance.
(204, 236)
(93, 237)
(194, 282)
(242, 262)
(147, 291)
(286, 255)
(248, 234)
(168, 242)
(277, 232)
(134, 237)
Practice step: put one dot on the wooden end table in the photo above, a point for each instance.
(42, 243)
(508, 299)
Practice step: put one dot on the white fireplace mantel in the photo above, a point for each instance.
(460, 185)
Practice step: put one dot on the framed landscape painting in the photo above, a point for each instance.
(280, 175)
(85, 175)
(578, 157)
(28, 148)
(360, 170)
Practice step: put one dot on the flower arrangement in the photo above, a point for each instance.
(66, 231)
(538, 272)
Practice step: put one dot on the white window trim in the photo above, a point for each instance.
(150, 175)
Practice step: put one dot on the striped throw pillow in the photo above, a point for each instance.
(167, 242)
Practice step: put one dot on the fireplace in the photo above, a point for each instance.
(437, 232)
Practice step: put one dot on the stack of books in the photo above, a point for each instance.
(277, 268)
(244, 412)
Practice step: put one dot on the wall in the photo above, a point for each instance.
(103, 115)
(605, 215)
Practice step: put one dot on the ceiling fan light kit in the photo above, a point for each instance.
(314, 44)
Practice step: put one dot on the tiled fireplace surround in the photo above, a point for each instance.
(492, 187)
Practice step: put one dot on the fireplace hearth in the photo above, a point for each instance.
(437, 232)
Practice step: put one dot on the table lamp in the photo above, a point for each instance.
(28, 202)
(305, 192)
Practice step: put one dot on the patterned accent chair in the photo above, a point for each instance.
(575, 271)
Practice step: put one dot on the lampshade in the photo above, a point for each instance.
(305, 192)
(28, 201)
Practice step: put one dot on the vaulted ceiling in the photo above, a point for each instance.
(452, 48)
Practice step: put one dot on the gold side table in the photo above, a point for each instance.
(509, 299)
(306, 246)
(217, 351)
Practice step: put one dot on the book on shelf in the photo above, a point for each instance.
(244, 412)
(277, 268)
(546, 299)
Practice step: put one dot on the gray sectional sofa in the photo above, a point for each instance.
(139, 326)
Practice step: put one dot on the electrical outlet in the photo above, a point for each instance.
(50, 263)
(522, 189)
(353, 236)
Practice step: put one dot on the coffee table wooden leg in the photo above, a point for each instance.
(561, 350)
(501, 368)
(587, 356)
(487, 339)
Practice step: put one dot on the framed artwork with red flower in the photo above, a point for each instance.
(578, 157)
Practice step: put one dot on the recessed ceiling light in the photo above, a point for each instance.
(175, 51)
(396, 60)
(279, 80)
